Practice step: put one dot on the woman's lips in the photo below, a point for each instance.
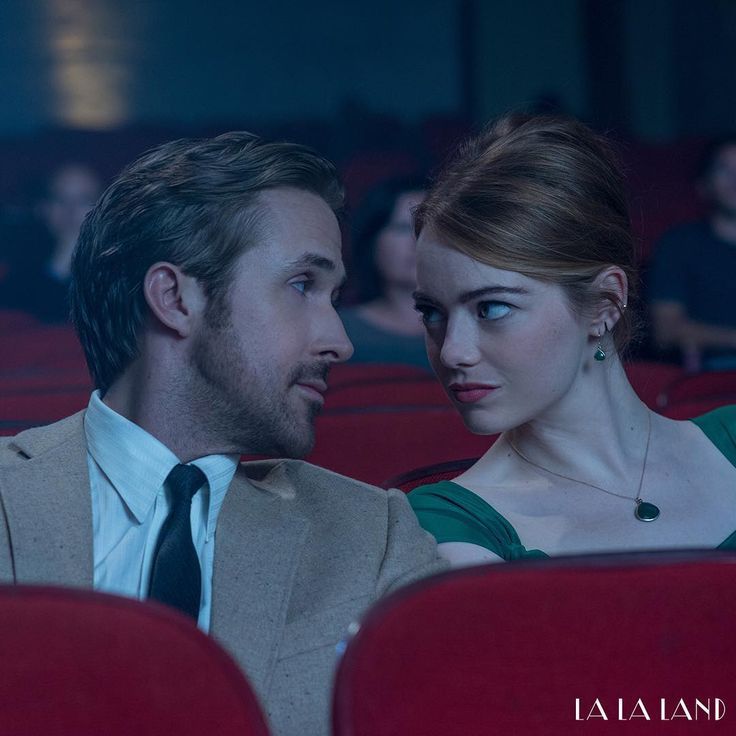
(468, 393)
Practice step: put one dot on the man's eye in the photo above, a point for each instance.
(493, 310)
(429, 314)
(303, 285)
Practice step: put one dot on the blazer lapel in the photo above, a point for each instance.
(257, 550)
(48, 507)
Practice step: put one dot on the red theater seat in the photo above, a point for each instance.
(650, 379)
(431, 473)
(696, 407)
(375, 444)
(40, 348)
(698, 386)
(527, 648)
(78, 662)
(22, 410)
(15, 319)
(357, 373)
(394, 392)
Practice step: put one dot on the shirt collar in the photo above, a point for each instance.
(137, 464)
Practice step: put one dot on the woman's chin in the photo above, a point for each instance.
(483, 425)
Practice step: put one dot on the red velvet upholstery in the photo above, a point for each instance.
(23, 410)
(698, 386)
(45, 347)
(396, 391)
(430, 473)
(696, 407)
(83, 663)
(650, 379)
(375, 445)
(506, 649)
(358, 373)
(16, 319)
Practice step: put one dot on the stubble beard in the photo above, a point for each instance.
(249, 406)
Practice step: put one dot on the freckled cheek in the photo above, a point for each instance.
(554, 357)
(533, 356)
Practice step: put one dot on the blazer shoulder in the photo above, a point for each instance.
(37, 440)
(307, 479)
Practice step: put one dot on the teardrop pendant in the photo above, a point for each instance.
(599, 354)
(645, 511)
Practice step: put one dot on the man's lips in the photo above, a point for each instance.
(315, 388)
(467, 393)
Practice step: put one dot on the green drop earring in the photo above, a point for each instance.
(600, 353)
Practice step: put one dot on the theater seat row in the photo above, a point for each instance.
(597, 644)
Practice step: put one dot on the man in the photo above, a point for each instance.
(693, 308)
(203, 290)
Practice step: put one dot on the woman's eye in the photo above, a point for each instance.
(430, 315)
(493, 310)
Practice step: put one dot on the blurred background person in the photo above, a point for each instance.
(39, 249)
(384, 327)
(691, 289)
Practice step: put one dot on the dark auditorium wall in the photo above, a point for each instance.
(661, 70)
(107, 63)
(530, 52)
(657, 70)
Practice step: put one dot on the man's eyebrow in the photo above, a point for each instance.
(315, 260)
(469, 296)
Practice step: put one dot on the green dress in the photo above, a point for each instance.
(454, 514)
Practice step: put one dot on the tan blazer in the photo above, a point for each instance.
(300, 553)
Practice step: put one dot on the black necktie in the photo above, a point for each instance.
(176, 579)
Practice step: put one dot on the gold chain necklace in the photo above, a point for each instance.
(643, 510)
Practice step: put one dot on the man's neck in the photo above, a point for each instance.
(155, 407)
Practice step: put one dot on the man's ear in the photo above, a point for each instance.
(175, 299)
(611, 281)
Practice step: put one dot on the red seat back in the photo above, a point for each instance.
(78, 662)
(512, 648)
(33, 349)
(19, 411)
(394, 392)
(649, 379)
(698, 386)
(431, 473)
(358, 373)
(696, 407)
(379, 443)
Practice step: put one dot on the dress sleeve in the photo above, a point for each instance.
(719, 426)
(452, 513)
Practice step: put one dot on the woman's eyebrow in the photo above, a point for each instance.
(469, 296)
(420, 296)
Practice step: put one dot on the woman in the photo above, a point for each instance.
(384, 327)
(526, 271)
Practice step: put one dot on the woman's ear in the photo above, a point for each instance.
(612, 282)
(175, 299)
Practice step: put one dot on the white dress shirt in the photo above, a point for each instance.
(127, 470)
